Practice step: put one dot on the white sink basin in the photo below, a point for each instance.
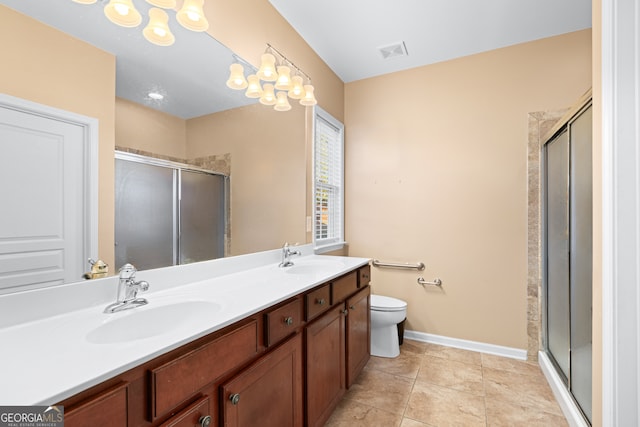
(149, 321)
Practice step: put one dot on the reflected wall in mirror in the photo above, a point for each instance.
(262, 150)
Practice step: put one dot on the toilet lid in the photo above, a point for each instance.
(382, 303)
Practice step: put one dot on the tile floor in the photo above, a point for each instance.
(431, 386)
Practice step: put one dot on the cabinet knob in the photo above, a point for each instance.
(320, 301)
(234, 398)
(352, 307)
(204, 421)
(288, 320)
(345, 311)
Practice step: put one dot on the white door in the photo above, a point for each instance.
(42, 197)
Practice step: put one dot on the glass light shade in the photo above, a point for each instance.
(85, 1)
(191, 16)
(309, 99)
(282, 102)
(267, 71)
(254, 90)
(236, 77)
(123, 13)
(268, 96)
(157, 30)
(165, 4)
(284, 78)
(296, 91)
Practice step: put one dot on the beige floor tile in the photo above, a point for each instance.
(520, 389)
(457, 354)
(381, 390)
(408, 422)
(441, 406)
(405, 365)
(354, 414)
(507, 364)
(452, 374)
(413, 346)
(505, 414)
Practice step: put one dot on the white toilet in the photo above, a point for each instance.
(386, 313)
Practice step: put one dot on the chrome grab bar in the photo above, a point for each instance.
(436, 282)
(419, 266)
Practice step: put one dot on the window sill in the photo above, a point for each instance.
(328, 247)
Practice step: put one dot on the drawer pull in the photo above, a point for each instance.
(234, 398)
(204, 421)
(320, 301)
(288, 320)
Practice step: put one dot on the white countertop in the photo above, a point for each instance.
(48, 353)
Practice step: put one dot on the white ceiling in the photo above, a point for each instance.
(346, 34)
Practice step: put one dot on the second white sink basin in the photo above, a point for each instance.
(150, 321)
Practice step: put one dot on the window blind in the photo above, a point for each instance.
(328, 180)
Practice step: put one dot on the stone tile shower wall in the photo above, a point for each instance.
(540, 123)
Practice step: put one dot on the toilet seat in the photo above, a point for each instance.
(383, 303)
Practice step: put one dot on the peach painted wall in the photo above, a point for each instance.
(150, 130)
(43, 65)
(436, 171)
(268, 190)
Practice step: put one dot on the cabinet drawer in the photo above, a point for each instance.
(108, 408)
(282, 321)
(318, 301)
(176, 381)
(343, 287)
(194, 415)
(364, 276)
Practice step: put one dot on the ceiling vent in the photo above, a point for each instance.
(393, 50)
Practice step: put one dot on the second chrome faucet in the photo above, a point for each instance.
(128, 290)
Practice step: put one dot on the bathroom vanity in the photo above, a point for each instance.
(287, 362)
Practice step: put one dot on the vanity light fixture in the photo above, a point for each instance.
(191, 16)
(157, 30)
(124, 13)
(279, 81)
(236, 77)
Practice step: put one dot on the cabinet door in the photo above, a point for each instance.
(269, 392)
(325, 346)
(358, 334)
(108, 408)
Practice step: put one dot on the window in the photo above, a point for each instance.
(328, 178)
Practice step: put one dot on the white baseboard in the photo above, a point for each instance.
(563, 397)
(498, 350)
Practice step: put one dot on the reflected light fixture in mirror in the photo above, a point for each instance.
(236, 77)
(124, 13)
(285, 85)
(157, 30)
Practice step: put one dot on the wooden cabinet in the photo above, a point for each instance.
(107, 408)
(325, 345)
(178, 379)
(285, 366)
(269, 392)
(358, 334)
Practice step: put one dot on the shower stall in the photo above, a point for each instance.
(567, 254)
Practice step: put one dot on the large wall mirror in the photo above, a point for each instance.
(200, 121)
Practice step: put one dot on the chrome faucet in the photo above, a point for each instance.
(128, 290)
(286, 253)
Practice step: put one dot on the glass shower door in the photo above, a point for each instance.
(557, 242)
